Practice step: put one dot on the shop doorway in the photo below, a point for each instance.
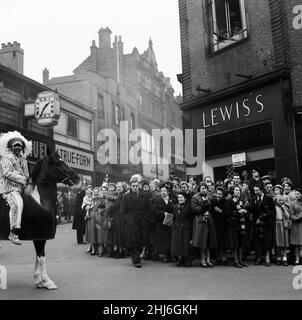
(267, 166)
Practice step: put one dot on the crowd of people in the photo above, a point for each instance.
(237, 219)
(66, 204)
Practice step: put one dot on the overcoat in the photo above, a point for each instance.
(118, 229)
(182, 230)
(162, 233)
(264, 214)
(134, 208)
(238, 224)
(79, 215)
(204, 233)
(295, 211)
(221, 223)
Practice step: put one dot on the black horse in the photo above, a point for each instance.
(39, 213)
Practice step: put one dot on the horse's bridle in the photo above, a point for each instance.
(66, 178)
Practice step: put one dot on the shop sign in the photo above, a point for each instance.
(76, 158)
(239, 159)
(39, 150)
(246, 108)
(156, 171)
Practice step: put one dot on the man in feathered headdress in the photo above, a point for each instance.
(14, 149)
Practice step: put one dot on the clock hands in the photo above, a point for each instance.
(46, 105)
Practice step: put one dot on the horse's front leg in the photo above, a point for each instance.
(37, 274)
(42, 279)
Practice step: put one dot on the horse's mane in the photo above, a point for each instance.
(36, 170)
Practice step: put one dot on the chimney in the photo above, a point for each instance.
(105, 38)
(93, 56)
(45, 76)
(120, 46)
(11, 56)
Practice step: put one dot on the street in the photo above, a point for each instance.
(81, 276)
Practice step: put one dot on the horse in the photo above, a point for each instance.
(38, 222)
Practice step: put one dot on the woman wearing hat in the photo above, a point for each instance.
(14, 149)
(92, 227)
(237, 213)
(182, 230)
(162, 233)
(295, 211)
(204, 234)
(118, 222)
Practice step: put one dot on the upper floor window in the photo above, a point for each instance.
(132, 121)
(229, 22)
(101, 106)
(72, 126)
(118, 113)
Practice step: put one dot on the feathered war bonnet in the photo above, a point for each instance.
(7, 139)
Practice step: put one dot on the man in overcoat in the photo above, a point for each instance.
(79, 215)
(134, 207)
(263, 213)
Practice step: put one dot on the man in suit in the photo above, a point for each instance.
(264, 212)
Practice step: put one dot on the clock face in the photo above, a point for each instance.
(44, 107)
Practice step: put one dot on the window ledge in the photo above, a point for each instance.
(231, 45)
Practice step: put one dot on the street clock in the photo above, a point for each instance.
(47, 108)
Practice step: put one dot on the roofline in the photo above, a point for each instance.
(44, 88)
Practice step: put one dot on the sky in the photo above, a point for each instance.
(57, 34)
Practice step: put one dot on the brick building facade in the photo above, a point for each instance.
(125, 87)
(241, 81)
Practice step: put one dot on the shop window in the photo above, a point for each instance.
(239, 140)
(118, 113)
(72, 126)
(115, 113)
(229, 22)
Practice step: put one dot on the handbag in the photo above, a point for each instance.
(168, 220)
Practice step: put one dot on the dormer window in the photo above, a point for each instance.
(229, 22)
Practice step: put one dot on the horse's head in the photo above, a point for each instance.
(52, 169)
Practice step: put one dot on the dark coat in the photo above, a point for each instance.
(118, 222)
(204, 233)
(264, 214)
(79, 215)
(134, 207)
(221, 223)
(182, 230)
(238, 224)
(162, 233)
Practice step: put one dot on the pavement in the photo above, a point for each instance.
(83, 277)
